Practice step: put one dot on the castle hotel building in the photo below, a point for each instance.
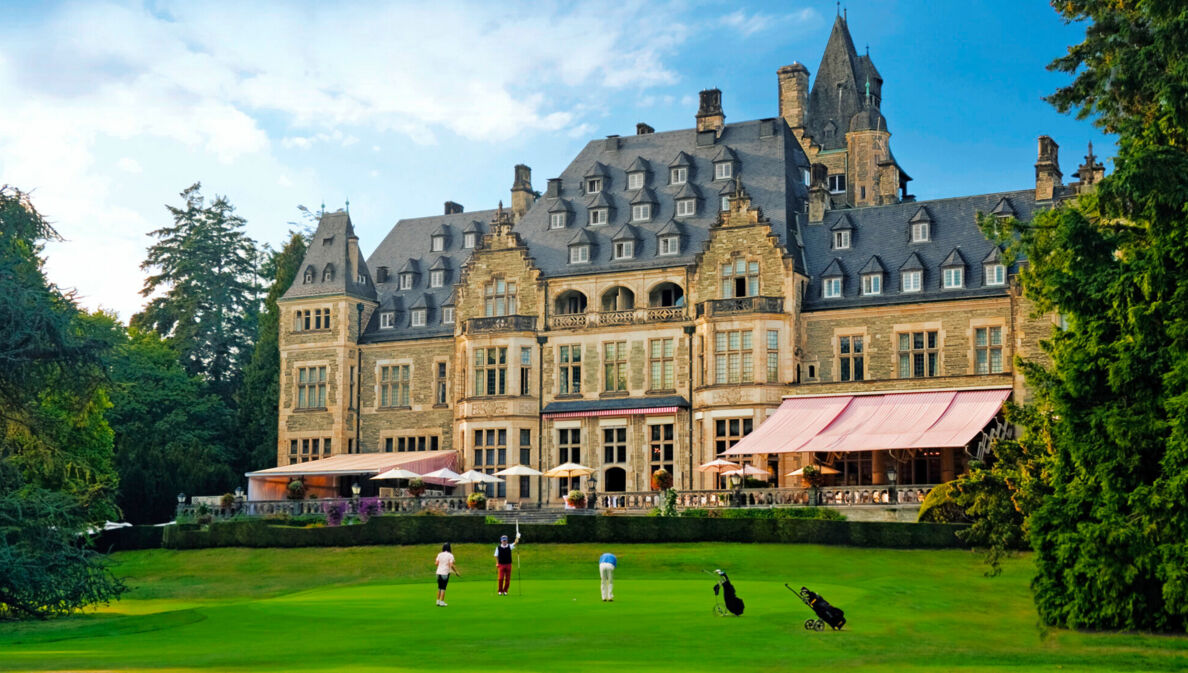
(662, 298)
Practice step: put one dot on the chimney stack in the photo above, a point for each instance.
(818, 203)
(522, 196)
(794, 90)
(553, 191)
(1089, 173)
(1047, 169)
(452, 208)
(709, 115)
(642, 129)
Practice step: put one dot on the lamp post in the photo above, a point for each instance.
(181, 501)
(892, 475)
(736, 484)
(592, 486)
(355, 489)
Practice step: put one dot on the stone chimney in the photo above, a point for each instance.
(1047, 169)
(794, 90)
(709, 115)
(818, 202)
(352, 260)
(452, 208)
(522, 196)
(642, 129)
(1089, 173)
(553, 191)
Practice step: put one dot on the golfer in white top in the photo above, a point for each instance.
(445, 566)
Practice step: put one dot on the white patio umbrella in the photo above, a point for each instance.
(476, 477)
(397, 473)
(444, 476)
(519, 471)
(750, 471)
(717, 466)
(568, 470)
(824, 469)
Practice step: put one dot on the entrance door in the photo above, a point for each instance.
(615, 479)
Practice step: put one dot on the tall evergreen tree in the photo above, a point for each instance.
(259, 394)
(205, 296)
(56, 477)
(1100, 476)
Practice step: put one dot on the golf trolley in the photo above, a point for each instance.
(826, 613)
(724, 589)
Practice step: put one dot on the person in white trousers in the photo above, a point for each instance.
(606, 570)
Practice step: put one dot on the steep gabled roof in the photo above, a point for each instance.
(725, 154)
(681, 159)
(875, 265)
(912, 263)
(687, 191)
(842, 223)
(644, 195)
(411, 265)
(600, 200)
(423, 301)
(834, 269)
(597, 170)
(560, 206)
(440, 263)
(1003, 208)
(583, 237)
(331, 246)
(473, 227)
(994, 257)
(921, 215)
(640, 165)
(626, 233)
(954, 259)
(671, 228)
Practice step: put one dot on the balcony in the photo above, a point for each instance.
(501, 323)
(610, 318)
(740, 305)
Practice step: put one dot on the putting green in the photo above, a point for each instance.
(365, 609)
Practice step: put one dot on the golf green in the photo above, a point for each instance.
(372, 608)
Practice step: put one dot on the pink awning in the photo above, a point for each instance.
(908, 420)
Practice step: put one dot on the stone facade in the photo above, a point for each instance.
(659, 346)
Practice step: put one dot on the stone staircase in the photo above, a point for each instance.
(540, 516)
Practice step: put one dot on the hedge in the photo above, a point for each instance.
(129, 537)
(387, 530)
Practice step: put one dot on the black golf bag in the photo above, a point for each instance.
(734, 604)
(835, 617)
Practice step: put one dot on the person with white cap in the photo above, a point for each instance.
(503, 562)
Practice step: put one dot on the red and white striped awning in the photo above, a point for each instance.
(874, 422)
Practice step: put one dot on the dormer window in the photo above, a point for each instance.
(406, 281)
(556, 220)
(723, 170)
(995, 274)
(361, 279)
(725, 203)
(437, 243)
(831, 288)
(910, 281)
(841, 240)
(593, 185)
(954, 278)
(686, 207)
(468, 239)
(669, 245)
(837, 184)
(872, 284)
(447, 315)
(641, 212)
(309, 275)
(920, 232)
(635, 180)
(624, 249)
(679, 175)
(418, 317)
(436, 278)
(599, 216)
(579, 254)
(387, 320)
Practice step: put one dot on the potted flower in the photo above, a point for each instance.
(416, 487)
(576, 499)
(296, 490)
(227, 501)
(661, 480)
(476, 500)
(813, 476)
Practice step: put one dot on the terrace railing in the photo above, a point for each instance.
(628, 317)
(826, 496)
(264, 508)
(501, 323)
(739, 305)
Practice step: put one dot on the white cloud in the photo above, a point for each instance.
(284, 181)
(748, 25)
(129, 165)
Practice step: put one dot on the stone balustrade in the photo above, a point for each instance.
(827, 496)
(740, 305)
(628, 317)
(501, 323)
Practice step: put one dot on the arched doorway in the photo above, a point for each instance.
(615, 480)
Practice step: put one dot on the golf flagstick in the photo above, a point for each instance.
(519, 566)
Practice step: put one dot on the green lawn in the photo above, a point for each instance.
(372, 609)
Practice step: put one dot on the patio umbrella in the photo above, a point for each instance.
(519, 471)
(397, 473)
(444, 476)
(717, 466)
(568, 470)
(750, 471)
(823, 469)
(476, 477)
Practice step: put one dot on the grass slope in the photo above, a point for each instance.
(371, 609)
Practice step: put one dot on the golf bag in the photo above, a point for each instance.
(835, 617)
(734, 604)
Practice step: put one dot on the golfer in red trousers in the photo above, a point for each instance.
(503, 562)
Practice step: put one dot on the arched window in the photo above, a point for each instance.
(618, 299)
(666, 294)
(328, 273)
(570, 302)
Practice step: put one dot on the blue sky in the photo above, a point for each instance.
(110, 109)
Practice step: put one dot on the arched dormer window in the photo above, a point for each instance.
(309, 275)
(328, 273)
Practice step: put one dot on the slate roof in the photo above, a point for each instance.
(839, 89)
(329, 247)
(769, 161)
(885, 232)
(408, 243)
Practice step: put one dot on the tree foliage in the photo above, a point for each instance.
(204, 288)
(1099, 480)
(259, 394)
(56, 474)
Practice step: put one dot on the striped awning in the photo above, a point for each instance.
(363, 463)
